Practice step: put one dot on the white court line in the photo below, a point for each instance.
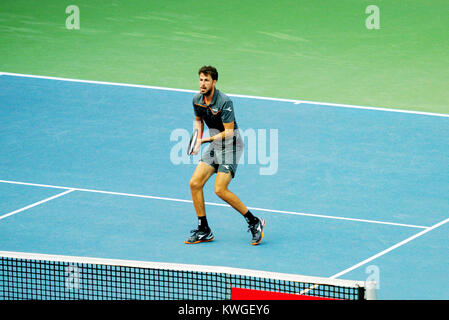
(338, 218)
(36, 204)
(213, 204)
(399, 244)
(298, 102)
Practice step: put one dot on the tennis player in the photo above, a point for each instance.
(221, 156)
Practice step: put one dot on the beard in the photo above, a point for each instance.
(207, 92)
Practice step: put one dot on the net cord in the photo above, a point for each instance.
(185, 267)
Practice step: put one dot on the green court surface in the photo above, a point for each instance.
(308, 50)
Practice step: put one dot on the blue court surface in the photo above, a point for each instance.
(97, 170)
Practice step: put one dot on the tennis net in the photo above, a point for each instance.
(26, 276)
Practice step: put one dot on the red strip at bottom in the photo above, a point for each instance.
(249, 294)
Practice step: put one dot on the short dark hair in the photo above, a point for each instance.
(209, 70)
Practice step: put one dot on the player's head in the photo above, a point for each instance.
(208, 79)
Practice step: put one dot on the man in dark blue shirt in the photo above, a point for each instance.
(221, 156)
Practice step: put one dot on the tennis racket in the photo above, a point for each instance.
(192, 143)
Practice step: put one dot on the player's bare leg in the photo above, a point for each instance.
(256, 225)
(199, 178)
(221, 189)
